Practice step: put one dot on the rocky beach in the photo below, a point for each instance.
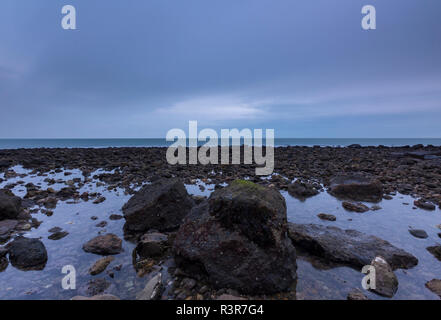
(135, 227)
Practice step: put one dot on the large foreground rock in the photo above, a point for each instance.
(160, 206)
(104, 245)
(356, 187)
(349, 247)
(238, 239)
(10, 205)
(27, 253)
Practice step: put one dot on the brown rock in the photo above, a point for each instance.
(104, 245)
(100, 265)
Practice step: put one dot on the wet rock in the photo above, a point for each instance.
(3, 252)
(328, 217)
(3, 263)
(161, 205)
(302, 190)
(55, 229)
(348, 247)
(436, 251)
(375, 207)
(418, 233)
(95, 287)
(152, 290)
(99, 200)
(115, 217)
(27, 253)
(108, 244)
(188, 283)
(58, 235)
(10, 205)
(386, 283)
(152, 245)
(100, 265)
(355, 207)
(356, 294)
(6, 229)
(237, 239)
(424, 205)
(356, 187)
(97, 297)
(101, 224)
(434, 286)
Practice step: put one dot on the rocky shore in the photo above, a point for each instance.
(236, 242)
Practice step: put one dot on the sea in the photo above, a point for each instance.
(158, 142)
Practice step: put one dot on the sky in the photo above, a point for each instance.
(138, 68)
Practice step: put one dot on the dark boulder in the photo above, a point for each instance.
(104, 245)
(356, 187)
(302, 190)
(347, 247)
(160, 206)
(10, 205)
(238, 239)
(27, 253)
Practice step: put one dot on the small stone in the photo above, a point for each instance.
(436, 251)
(424, 205)
(434, 286)
(102, 224)
(58, 235)
(96, 287)
(104, 245)
(418, 233)
(55, 229)
(115, 217)
(356, 207)
(356, 294)
(99, 200)
(94, 218)
(100, 265)
(325, 216)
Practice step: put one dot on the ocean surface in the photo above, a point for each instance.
(105, 143)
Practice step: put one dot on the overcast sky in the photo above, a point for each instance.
(141, 67)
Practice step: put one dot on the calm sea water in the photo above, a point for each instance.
(104, 143)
